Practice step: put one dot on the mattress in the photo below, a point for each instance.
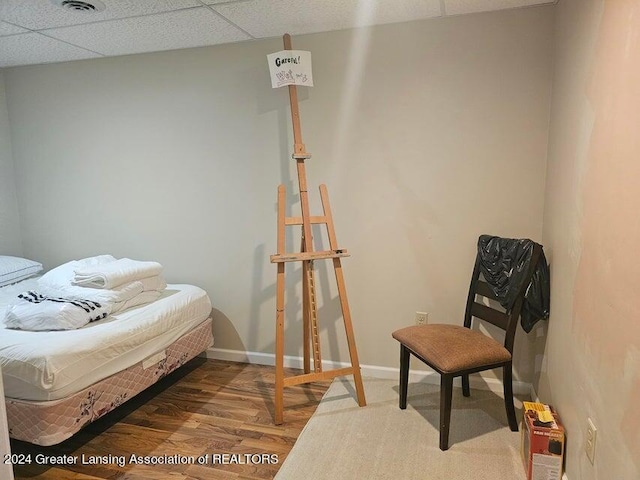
(44, 366)
(51, 422)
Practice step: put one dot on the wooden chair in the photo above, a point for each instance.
(455, 351)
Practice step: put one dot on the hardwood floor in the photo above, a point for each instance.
(221, 410)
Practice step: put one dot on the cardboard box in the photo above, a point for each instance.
(542, 442)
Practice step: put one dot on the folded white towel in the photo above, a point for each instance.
(101, 295)
(121, 293)
(112, 274)
(62, 275)
(138, 300)
(149, 284)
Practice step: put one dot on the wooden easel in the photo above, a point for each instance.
(307, 256)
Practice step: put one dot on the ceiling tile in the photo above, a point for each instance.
(458, 7)
(270, 18)
(8, 29)
(167, 31)
(40, 14)
(30, 48)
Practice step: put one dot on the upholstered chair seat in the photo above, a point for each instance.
(452, 348)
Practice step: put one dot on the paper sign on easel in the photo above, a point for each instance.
(290, 67)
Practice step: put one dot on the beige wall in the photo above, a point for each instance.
(10, 241)
(426, 133)
(591, 364)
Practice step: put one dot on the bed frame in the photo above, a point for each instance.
(51, 422)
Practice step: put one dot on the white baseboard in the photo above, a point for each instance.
(492, 384)
(564, 476)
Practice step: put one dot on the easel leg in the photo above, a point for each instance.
(279, 395)
(279, 399)
(348, 327)
(342, 293)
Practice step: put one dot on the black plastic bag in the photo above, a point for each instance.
(504, 263)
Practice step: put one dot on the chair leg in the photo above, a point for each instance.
(446, 391)
(465, 385)
(404, 375)
(507, 382)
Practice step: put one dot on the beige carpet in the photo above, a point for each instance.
(343, 441)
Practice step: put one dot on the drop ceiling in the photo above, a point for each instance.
(39, 31)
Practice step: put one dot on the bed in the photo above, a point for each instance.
(56, 382)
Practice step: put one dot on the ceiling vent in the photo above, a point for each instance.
(89, 6)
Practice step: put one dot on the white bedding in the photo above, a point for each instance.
(43, 366)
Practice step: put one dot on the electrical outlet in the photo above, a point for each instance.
(590, 444)
(422, 318)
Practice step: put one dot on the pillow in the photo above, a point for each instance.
(14, 269)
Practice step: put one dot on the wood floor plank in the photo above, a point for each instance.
(218, 411)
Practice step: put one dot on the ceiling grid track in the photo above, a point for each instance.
(43, 31)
